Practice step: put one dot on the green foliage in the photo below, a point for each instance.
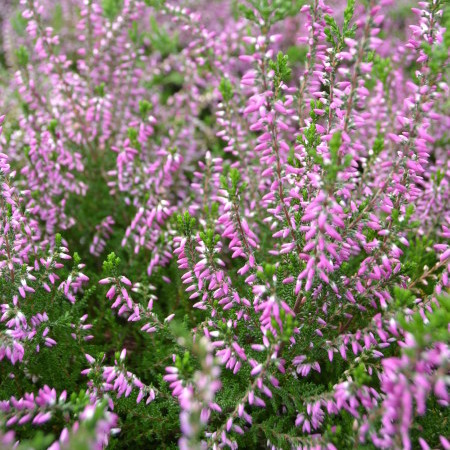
(335, 163)
(133, 32)
(155, 3)
(160, 39)
(417, 258)
(111, 8)
(311, 138)
(297, 54)
(111, 264)
(22, 56)
(57, 19)
(100, 90)
(19, 24)
(168, 84)
(446, 24)
(434, 329)
(335, 35)
(144, 108)
(52, 127)
(209, 238)
(226, 89)
(360, 375)
(438, 177)
(232, 183)
(186, 223)
(381, 69)
(269, 11)
(133, 137)
(437, 56)
(433, 424)
(281, 69)
(378, 144)
(348, 14)
(40, 441)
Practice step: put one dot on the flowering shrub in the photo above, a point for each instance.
(224, 224)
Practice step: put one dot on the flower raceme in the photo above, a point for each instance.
(270, 181)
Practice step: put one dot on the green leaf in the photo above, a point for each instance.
(226, 89)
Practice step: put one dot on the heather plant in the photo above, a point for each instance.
(224, 224)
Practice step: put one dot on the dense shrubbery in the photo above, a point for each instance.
(224, 224)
